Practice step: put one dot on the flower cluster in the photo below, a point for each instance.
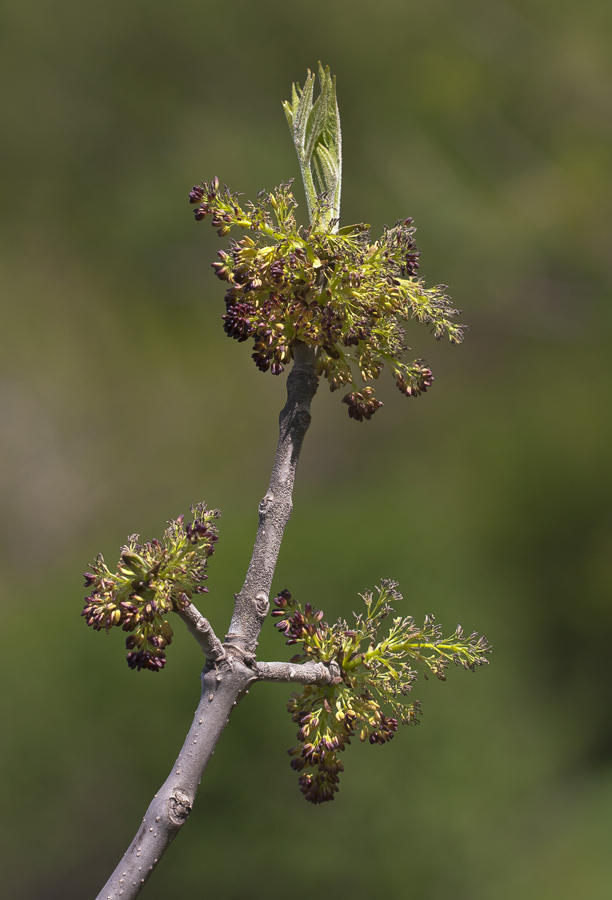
(335, 290)
(151, 580)
(369, 697)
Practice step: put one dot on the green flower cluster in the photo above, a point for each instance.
(335, 290)
(151, 580)
(369, 696)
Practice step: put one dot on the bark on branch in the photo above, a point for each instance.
(171, 806)
(231, 667)
(252, 603)
(202, 631)
(299, 673)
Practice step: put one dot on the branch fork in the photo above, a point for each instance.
(231, 667)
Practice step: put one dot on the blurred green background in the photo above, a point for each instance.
(489, 499)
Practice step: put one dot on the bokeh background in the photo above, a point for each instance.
(489, 499)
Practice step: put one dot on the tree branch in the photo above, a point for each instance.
(300, 673)
(171, 806)
(231, 667)
(202, 631)
(252, 603)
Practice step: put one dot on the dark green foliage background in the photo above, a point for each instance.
(489, 499)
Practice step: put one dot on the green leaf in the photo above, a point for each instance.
(315, 127)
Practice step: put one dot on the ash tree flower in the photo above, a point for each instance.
(152, 580)
(334, 289)
(368, 698)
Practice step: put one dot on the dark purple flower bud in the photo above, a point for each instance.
(362, 405)
(221, 271)
(411, 263)
(196, 193)
(419, 379)
(236, 321)
(261, 357)
(332, 351)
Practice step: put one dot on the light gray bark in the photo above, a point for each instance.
(231, 667)
(299, 673)
(202, 631)
(252, 603)
(171, 806)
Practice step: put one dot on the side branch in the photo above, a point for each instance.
(202, 631)
(252, 603)
(299, 673)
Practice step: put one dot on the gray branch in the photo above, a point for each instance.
(252, 603)
(300, 673)
(202, 631)
(231, 667)
(171, 806)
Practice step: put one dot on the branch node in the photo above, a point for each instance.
(266, 504)
(179, 807)
(262, 604)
